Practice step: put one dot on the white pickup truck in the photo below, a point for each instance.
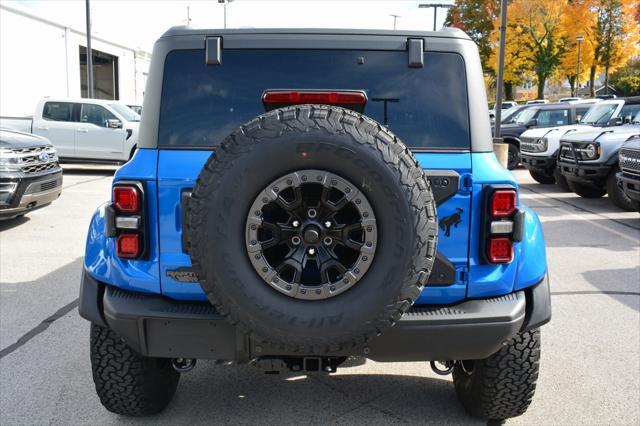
(82, 129)
(539, 147)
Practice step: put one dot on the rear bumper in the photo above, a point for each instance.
(538, 163)
(584, 172)
(630, 184)
(160, 327)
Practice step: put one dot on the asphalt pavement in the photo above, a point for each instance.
(590, 368)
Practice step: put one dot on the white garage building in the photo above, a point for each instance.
(40, 57)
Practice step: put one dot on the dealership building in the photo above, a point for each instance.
(43, 58)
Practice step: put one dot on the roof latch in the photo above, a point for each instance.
(416, 52)
(213, 50)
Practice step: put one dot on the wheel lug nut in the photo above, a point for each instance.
(312, 213)
(327, 241)
(327, 224)
(295, 240)
(311, 251)
(295, 223)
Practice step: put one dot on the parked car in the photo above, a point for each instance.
(505, 106)
(537, 102)
(511, 115)
(589, 162)
(30, 176)
(629, 175)
(536, 116)
(83, 129)
(136, 108)
(267, 221)
(539, 147)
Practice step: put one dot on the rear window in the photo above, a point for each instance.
(426, 107)
(58, 111)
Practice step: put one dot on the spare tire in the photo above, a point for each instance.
(313, 228)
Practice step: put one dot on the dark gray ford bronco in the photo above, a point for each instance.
(299, 197)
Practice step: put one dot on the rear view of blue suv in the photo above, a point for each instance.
(299, 197)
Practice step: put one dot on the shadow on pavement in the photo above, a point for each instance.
(572, 233)
(243, 395)
(12, 223)
(610, 281)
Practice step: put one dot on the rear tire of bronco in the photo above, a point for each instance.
(561, 181)
(617, 195)
(542, 177)
(127, 382)
(501, 386)
(262, 221)
(586, 190)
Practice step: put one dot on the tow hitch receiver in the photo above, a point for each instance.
(310, 364)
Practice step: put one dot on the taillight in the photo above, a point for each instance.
(503, 202)
(126, 199)
(353, 99)
(128, 246)
(502, 223)
(500, 250)
(126, 219)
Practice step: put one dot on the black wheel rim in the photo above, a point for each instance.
(311, 235)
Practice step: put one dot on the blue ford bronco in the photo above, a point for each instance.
(303, 197)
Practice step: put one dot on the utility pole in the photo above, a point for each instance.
(579, 38)
(89, 53)
(224, 3)
(394, 19)
(435, 7)
(188, 16)
(499, 83)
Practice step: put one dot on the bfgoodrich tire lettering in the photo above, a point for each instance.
(337, 141)
(501, 386)
(127, 382)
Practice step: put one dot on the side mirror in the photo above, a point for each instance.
(615, 121)
(627, 120)
(114, 124)
(533, 122)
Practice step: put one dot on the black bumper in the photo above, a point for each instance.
(538, 163)
(630, 184)
(30, 193)
(586, 173)
(160, 327)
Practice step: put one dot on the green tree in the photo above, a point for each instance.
(626, 80)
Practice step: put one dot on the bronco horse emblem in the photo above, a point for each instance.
(446, 222)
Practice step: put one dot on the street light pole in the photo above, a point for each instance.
(89, 53)
(579, 38)
(224, 3)
(394, 19)
(435, 7)
(499, 83)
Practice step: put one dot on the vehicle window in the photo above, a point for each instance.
(95, 114)
(629, 110)
(58, 111)
(126, 112)
(553, 117)
(526, 115)
(426, 107)
(599, 114)
(581, 111)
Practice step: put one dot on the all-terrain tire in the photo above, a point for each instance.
(127, 382)
(341, 142)
(501, 386)
(542, 177)
(586, 190)
(561, 181)
(617, 195)
(513, 156)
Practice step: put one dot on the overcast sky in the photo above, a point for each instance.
(139, 23)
